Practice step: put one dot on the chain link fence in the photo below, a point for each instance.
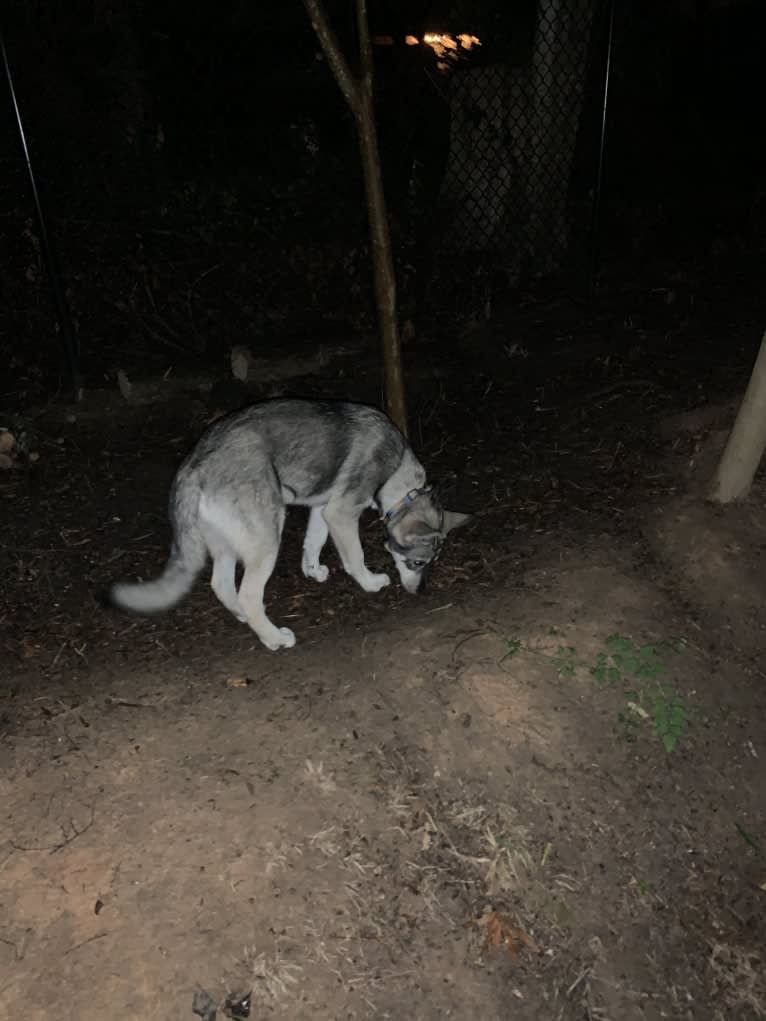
(478, 138)
(501, 187)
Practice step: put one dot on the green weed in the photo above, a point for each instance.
(514, 645)
(565, 661)
(638, 668)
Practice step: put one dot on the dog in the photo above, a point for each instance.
(229, 498)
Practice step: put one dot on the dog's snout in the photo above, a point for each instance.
(414, 583)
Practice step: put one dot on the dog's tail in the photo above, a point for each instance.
(186, 560)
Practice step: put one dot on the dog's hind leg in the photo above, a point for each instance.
(343, 524)
(246, 525)
(316, 537)
(259, 557)
(223, 582)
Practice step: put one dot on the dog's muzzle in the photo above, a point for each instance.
(416, 558)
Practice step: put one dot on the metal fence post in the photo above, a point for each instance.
(595, 229)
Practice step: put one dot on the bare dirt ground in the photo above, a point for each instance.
(536, 791)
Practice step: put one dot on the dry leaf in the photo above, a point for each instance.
(500, 931)
(27, 649)
(238, 682)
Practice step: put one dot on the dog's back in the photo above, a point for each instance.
(312, 447)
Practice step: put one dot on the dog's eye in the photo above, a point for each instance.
(416, 564)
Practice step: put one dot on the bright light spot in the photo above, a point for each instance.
(449, 49)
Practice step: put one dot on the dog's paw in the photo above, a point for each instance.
(319, 572)
(281, 638)
(375, 582)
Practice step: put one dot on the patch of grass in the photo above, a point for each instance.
(565, 661)
(515, 645)
(638, 669)
(669, 716)
(623, 658)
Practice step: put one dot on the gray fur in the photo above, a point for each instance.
(229, 496)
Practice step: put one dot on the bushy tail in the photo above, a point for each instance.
(186, 560)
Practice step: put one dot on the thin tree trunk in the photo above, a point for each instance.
(359, 95)
(380, 236)
(747, 442)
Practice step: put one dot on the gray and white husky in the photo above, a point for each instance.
(229, 496)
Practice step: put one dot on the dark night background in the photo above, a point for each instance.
(534, 791)
(171, 138)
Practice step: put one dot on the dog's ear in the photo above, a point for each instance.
(417, 531)
(454, 519)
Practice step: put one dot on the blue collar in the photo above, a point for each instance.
(399, 506)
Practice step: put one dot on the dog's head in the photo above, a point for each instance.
(417, 526)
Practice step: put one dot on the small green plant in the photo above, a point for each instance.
(624, 658)
(638, 670)
(641, 666)
(604, 672)
(644, 887)
(669, 716)
(565, 661)
(514, 645)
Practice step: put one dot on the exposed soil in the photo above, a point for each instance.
(536, 791)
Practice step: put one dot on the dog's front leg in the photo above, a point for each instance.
(343, 524)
